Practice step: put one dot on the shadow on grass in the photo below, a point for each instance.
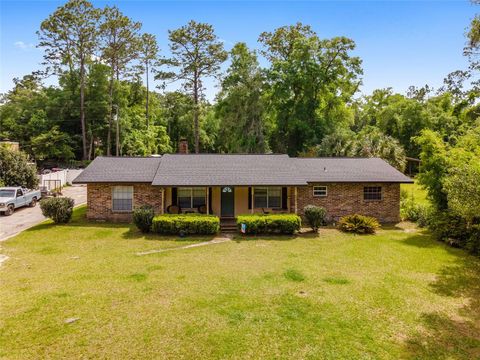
(132, 233)
(457, 336)
(424, 240)
(270, 237)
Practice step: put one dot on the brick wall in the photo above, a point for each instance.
(347, 198)
(99, 201)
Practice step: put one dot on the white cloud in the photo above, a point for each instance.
(23, 46)
(226, 41)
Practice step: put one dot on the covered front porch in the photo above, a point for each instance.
(230, 201)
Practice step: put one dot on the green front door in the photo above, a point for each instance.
(227, 201)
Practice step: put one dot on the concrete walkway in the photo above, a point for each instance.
(27, 217)
(217, 240)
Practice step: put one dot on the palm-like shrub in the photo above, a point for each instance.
(370, 142)
(315, 216)
(358, 224)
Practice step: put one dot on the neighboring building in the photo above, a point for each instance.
(230, 185)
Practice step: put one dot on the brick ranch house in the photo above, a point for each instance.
(230, 185)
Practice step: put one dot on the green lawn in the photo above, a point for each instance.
(398, 294)
(416, 191)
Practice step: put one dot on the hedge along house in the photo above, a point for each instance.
(231, 185)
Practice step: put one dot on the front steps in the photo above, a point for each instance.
(228, 225)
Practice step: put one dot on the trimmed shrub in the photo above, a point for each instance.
(59, 209)
(358, 224)
(186, 224)
(315, 216)
(270, 224)
(143, 218)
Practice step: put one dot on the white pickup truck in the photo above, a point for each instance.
(12, 198)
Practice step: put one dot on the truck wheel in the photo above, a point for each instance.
(33, 203)
(10, 210)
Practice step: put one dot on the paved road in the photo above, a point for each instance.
(26, 217)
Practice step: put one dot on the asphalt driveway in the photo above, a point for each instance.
(26, 217)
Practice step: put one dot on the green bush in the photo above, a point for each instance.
(143, 218)
(186, 224)
(270, 224)
(15, 169)
(59, 209)
(315, 216)
(412, 211)
(473, 241)
(424, 215)
(454, 230)
(358, 224)
(450, 228)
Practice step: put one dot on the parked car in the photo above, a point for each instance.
(12, 198)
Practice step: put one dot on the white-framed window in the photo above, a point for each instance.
(319, 191)
(267, 197)
(122, 198)
(189, 198)
(372, 193)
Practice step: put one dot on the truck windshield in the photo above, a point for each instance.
(7, 193)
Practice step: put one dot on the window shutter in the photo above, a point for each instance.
(284, 198)
(249, 198)
(174, 196)
(210, 200)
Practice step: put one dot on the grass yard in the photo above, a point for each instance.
(398, 294)
(416, 191)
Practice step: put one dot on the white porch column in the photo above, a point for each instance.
(252, 197)
(296, 204)
(208, 203)
(163, 202)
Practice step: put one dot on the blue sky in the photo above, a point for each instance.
(401, 43)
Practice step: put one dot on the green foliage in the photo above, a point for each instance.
(270, 224)
(53, 144)
(451, 174)
(358, 224)
(59, 209)
(369, 142)
(415, 212)
(463, 190)
(452, 229)
(143, 218)
(15, 169)
(433, 167)
(241, 106)
(69, 37)
(315, 216)
(120, 44)
(310, 80)
(186, 224)
(196, 53)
